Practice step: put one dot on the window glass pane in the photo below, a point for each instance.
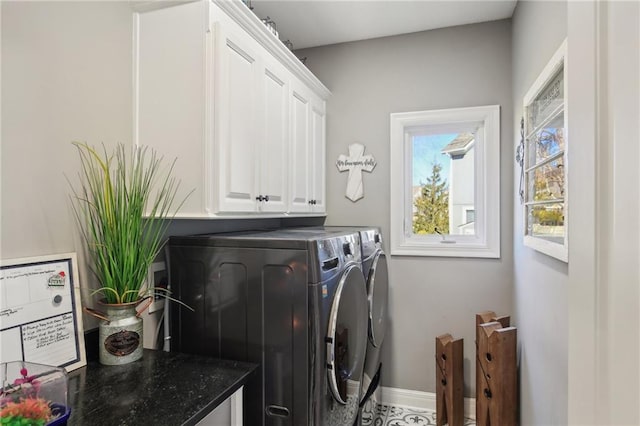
(546, 221)
(547, 103)
(546, 182)
(547, 141)
(443, 183)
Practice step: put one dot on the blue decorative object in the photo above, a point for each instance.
(61, 412)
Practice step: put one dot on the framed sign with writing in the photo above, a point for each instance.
(41, 311)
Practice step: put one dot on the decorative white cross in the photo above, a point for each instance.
(355, 163)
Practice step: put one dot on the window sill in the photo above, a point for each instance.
(448, 248)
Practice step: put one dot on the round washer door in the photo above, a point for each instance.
(347, 337)
(378, 289)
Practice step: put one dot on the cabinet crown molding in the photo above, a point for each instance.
(240, 13)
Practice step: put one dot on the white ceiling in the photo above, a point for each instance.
(310, 23)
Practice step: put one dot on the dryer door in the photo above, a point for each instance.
(378, 289)
(347, 337)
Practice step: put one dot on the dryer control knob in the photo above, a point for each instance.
(348, 250)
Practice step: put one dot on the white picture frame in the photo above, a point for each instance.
(41, 311)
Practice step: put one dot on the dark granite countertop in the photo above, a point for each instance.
(163, 388)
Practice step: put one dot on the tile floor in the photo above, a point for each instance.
(390, 415)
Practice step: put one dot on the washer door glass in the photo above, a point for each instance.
(378, 289)
(347, 336)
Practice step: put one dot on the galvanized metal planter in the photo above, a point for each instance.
(120, 334)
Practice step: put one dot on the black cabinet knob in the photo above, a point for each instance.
(266, 198)
(259, 198)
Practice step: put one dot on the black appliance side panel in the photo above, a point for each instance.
(285, 337)
(217, 291)
(249, 305)
(187, 281)
(228, 299)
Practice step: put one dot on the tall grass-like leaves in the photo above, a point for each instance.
(115, 192)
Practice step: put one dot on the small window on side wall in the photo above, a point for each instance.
(445, 182)
(545, 160)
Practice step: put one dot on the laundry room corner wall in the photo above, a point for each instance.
(454, 67)
(540, 281)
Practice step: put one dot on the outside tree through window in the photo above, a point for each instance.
(443, 183)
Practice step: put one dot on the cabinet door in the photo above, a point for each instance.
(274, 137)
(317, 157)
(236, 75)
(300, 104)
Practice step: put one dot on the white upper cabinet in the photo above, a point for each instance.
(170, 96)
(237, 133)
(307, 150)
(274, 146)
(317, 166)
(300, 102)
(244, 118)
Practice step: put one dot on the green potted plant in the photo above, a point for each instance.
(123, 205)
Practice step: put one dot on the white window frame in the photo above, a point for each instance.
(486, 241)
(550, 248)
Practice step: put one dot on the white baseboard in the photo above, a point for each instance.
(419, 399)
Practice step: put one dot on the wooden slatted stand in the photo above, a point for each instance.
(450, 381)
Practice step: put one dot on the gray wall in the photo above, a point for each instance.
(540, 284)
(66, 76)
(454, 67)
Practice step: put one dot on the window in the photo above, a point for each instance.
(545, 146)
(445, 182)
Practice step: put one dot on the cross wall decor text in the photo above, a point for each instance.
(355, 163)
